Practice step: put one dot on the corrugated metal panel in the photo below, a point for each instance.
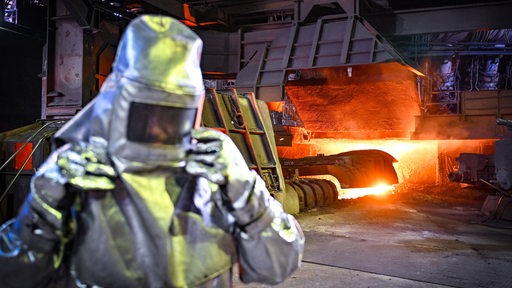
(267, 55)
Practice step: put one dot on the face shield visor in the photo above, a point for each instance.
(156, 124)
(149, 127)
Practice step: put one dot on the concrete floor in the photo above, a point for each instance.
(419, 237)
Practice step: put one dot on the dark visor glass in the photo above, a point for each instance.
(148, 123)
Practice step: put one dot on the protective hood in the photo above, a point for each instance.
(146, 107)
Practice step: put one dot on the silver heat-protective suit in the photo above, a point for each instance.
(135, 196)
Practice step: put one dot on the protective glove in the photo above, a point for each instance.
(87, 166)
(215, 157)
(269, 241)
(44, 218)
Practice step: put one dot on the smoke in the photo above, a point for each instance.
(442, 130)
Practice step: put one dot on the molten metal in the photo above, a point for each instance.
(380, 189)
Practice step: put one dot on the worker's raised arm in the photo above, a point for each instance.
(270, 241)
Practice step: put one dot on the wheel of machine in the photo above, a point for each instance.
(334, 190)
(290, 199)
(327, 190)
(318, 191)
(309, 194)
(300, 193)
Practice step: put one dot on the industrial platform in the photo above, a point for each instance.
(418, 237)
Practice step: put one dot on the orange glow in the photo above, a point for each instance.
(189, 23)
(380, 189)
(21, 157)
(423, 162)
(275, 106)
(417, 160)
(189, 19)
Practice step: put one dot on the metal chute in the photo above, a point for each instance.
(353, 169)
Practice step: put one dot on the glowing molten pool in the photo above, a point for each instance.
(381, 189)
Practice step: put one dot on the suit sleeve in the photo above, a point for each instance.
(271, 245)
(31, 245)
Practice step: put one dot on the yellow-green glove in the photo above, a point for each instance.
(87, 166)
(216, 158)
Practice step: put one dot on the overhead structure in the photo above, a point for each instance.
(272, 57)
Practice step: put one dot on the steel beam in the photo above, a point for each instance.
(442, 19)
(173, 7)
(176, 9)
(350, 6)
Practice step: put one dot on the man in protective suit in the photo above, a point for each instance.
(134, 196)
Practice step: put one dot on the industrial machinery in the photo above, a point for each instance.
(247, 121)
(346, 170)
(352, 169)
(22, 151)
(474, 168)
(493, 170)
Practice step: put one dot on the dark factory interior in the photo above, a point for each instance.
(385, 126)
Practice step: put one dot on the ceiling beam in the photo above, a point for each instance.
(349, 6)
(173, 7)
(442, 19)
(182, 11)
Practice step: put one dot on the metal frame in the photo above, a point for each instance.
(238, 116)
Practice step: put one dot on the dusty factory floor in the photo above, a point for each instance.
(421, 236)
